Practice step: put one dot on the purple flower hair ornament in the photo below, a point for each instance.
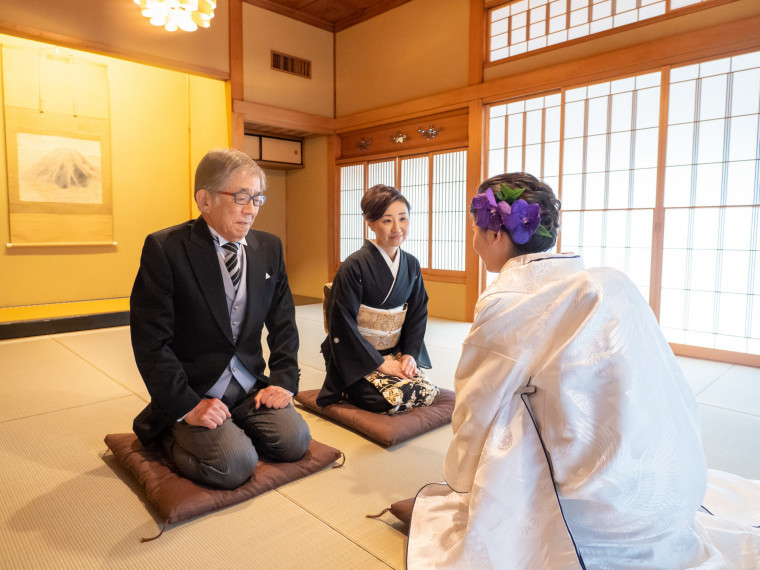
(518, 217)
(523, 221)
(491, 214)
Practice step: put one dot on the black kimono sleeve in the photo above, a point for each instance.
(348, 355)
(412, 340)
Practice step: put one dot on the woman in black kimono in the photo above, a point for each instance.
(376, 316)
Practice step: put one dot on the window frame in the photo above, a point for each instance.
(438, 275)
(669, 14)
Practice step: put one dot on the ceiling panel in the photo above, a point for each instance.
(331, 15)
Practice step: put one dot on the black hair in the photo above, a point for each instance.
(377, 200)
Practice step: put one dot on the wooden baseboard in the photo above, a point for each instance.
(38, 327)
(728, 356)
(304, 300)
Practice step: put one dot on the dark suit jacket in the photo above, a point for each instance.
(180, 325)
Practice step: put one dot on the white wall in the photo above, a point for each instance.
(264, 31)
(417, 49)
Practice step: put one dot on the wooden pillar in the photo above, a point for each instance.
(475, 162)
(477, 42)
(333, 201)
(236, 84)
(658, 221)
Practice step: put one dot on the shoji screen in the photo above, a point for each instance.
(711, 264)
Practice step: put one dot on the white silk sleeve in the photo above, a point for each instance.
(485, 382)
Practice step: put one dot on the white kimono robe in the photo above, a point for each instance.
(576, 439)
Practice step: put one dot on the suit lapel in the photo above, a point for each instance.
(255, 259)
(205, 263)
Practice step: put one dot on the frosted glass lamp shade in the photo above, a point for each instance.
(187, 15)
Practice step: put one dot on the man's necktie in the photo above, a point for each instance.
(231, 261)
(233, 394)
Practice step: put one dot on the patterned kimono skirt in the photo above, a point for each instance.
(382, 329)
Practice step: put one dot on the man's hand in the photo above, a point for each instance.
(272, 397)
(209, 413)
(392, 367)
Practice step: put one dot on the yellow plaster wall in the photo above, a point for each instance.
(417, 49)
(161, 123)
(307, 261)
(209, 123)
(264, 31)
(447, 300)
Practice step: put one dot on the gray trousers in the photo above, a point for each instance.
(226, 456)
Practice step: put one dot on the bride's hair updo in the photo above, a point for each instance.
(534, 192)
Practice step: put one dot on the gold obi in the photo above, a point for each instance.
(381, 327)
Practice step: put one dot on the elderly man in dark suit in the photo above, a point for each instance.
(202, 294)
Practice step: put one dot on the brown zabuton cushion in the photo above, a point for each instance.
(178, 499)
(402, 510)
(382, 428)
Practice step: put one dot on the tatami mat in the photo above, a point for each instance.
(110, 351)
(446, 334)
(701, 373)
(67, 505)
(736, 389)
(730, 438)
(311, 378)
(41, 375)
(371, 479)
(309, 313)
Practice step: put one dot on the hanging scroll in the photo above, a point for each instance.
(57, 134)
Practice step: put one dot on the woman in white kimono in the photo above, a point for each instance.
(576, 437)
(376, 317)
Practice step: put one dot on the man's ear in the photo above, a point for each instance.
(203, 198)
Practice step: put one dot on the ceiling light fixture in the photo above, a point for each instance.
(187, 15)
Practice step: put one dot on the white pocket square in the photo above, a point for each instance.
(268, 276)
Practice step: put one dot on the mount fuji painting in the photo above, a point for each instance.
(59, 169)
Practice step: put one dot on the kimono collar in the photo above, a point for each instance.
(574, 259)
(392, 265)
(534, 269)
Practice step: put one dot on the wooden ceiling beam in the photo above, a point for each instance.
(375, 10)
(289, 12)
(306, 123)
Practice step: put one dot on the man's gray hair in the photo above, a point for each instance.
(217, 167)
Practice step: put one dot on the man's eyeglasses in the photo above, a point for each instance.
(243, 198)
